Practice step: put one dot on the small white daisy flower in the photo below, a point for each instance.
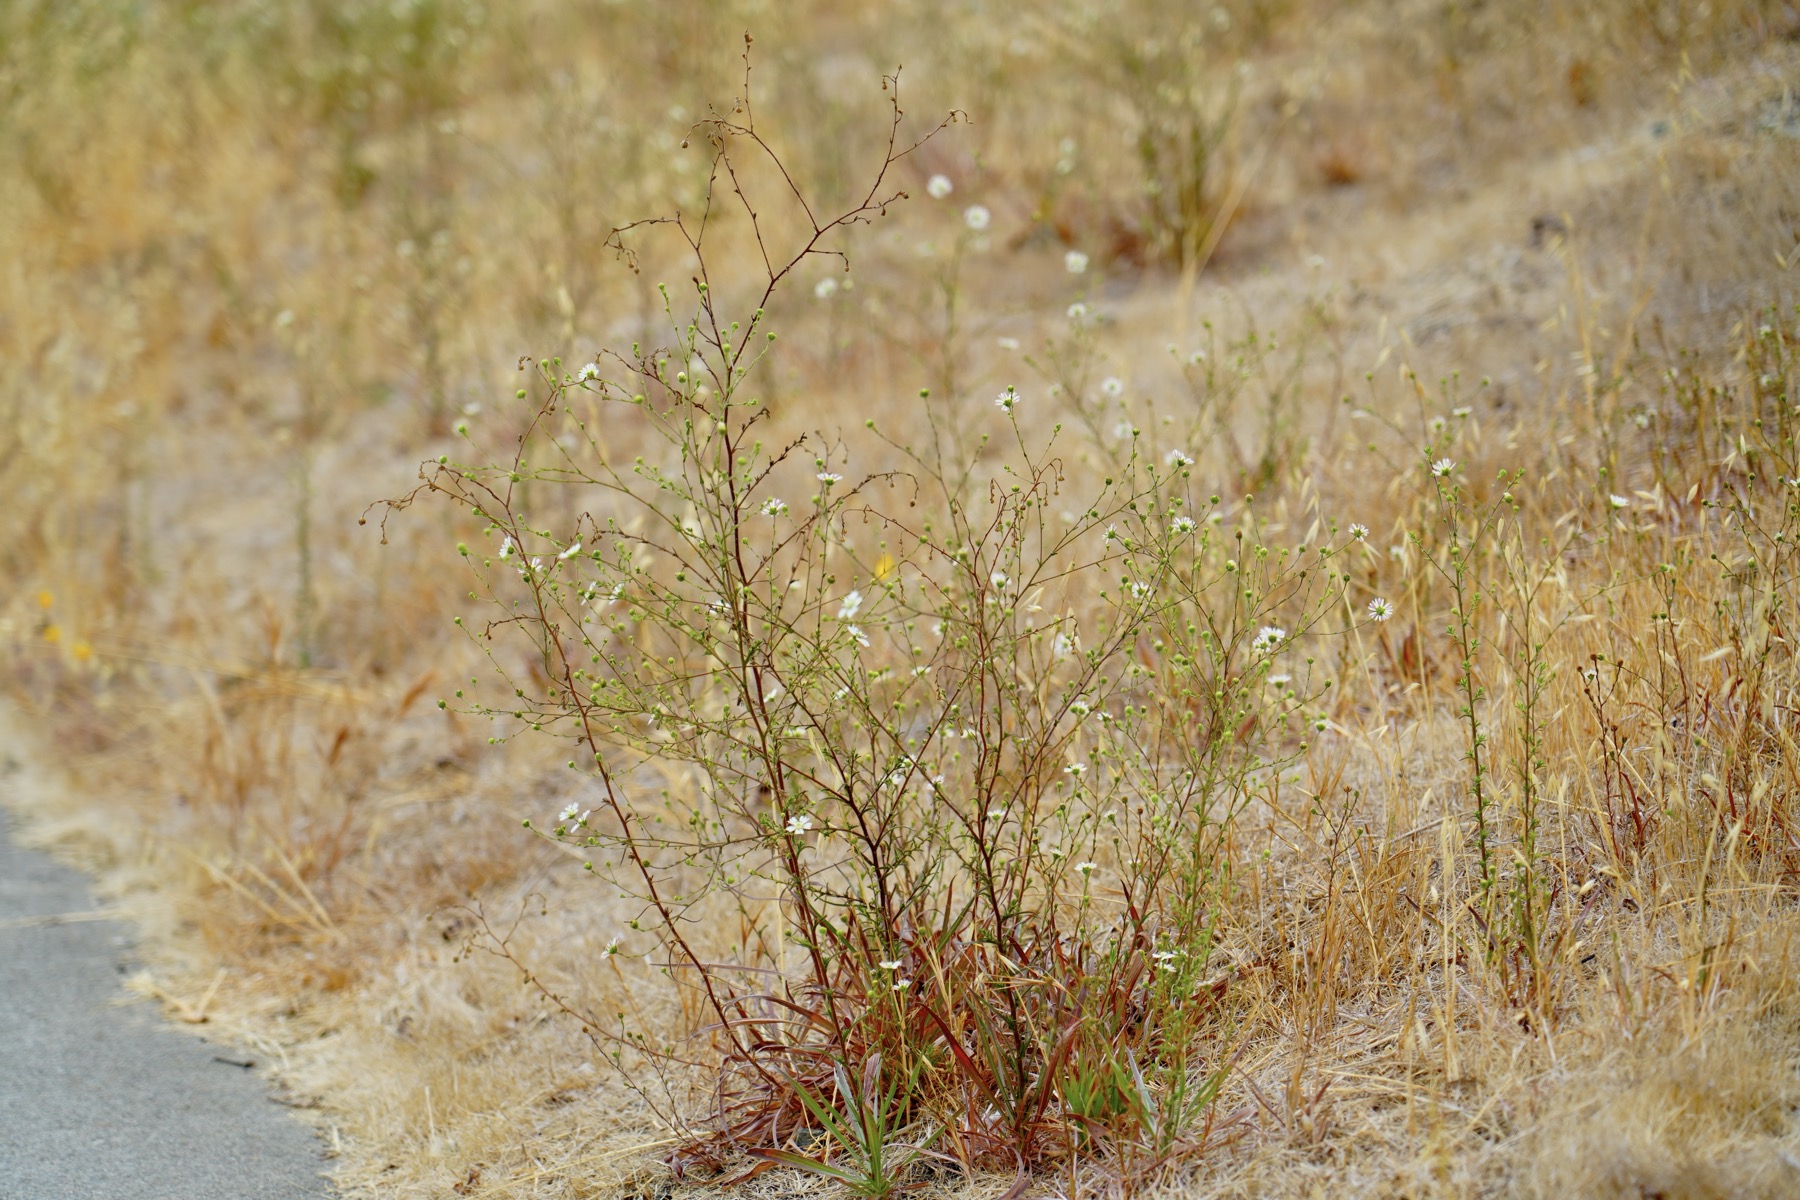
(1077, 313)
(1359, 532)
(1183, 525)
(569, 813)
(999, 580)
(976, 217)
(1380, 608)
(1086, 868)
(1075, 262)
(826, 288)
(851, 605)
(939, 186)
(1442, 467)
(1124, 430)
(798, 826)
(1178, 459)
(1079, 768)
(1618, 501)
(857, 635)
(506, 547)
(588, 371)
(774, 506)
(889, 964)
(1113, 386)
(1008, 399)
(829, 477)
(571, 552)
(1268, 638)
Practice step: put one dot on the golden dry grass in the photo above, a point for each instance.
(259, 259)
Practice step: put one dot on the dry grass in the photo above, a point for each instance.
(260, 259)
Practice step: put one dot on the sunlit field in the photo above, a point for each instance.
(1056, 600)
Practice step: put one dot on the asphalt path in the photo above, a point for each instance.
(103, 1101)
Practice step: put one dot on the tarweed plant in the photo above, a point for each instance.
(976, 842)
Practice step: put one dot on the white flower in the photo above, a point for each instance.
(1112, 533)
(569, 813)
(1086, 868)
(902, 984)
(1077, 313)
(588, 371)
(826, 288)
(1178, 458)
(506, 547)
(1618, 501)
(1079, 768)
(1380, 608)
(1075, 262)
(1124, 430)
(612, 947)
(1267, 639)
(1008, 399)
(1442, 467)
(571, 552)
(857, 635)
(799, 825)
(939, 186)
(774, 506)
(1142, 591)
(999, 580)
(1183, 525)
(996, 814)
(1464, 411)
(1080, 708)
(1113, 386)
(976, 217)
(1359, 532)
(889, 964)
(1280, 680)
(1062, 646)
(829, 477)
(851, 605)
